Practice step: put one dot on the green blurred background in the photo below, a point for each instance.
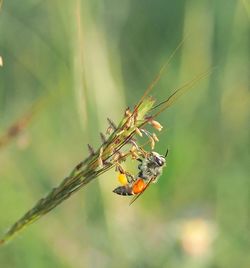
(90, 59)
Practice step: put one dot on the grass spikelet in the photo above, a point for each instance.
(120, 144)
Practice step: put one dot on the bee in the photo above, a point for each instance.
(150, 169)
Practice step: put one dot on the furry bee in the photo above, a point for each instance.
(150, 168)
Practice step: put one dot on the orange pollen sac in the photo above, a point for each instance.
(139, 186)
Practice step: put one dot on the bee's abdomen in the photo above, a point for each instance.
(123, 190)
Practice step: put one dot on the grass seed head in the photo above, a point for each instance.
(127, 112)
(137, 130)
(152, 142)
(91, 150)
(155, 137)
(156, 124)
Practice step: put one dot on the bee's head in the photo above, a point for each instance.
(158, 159)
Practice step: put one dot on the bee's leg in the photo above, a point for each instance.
(140, 166)
(143, 153)
(155, 180)
(130, 177)
(118, 167)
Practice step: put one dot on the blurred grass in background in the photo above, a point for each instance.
(90, 59)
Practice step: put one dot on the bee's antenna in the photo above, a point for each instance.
(166, 154)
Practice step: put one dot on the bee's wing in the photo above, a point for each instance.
(138, 195)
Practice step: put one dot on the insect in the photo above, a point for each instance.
(150, 168)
